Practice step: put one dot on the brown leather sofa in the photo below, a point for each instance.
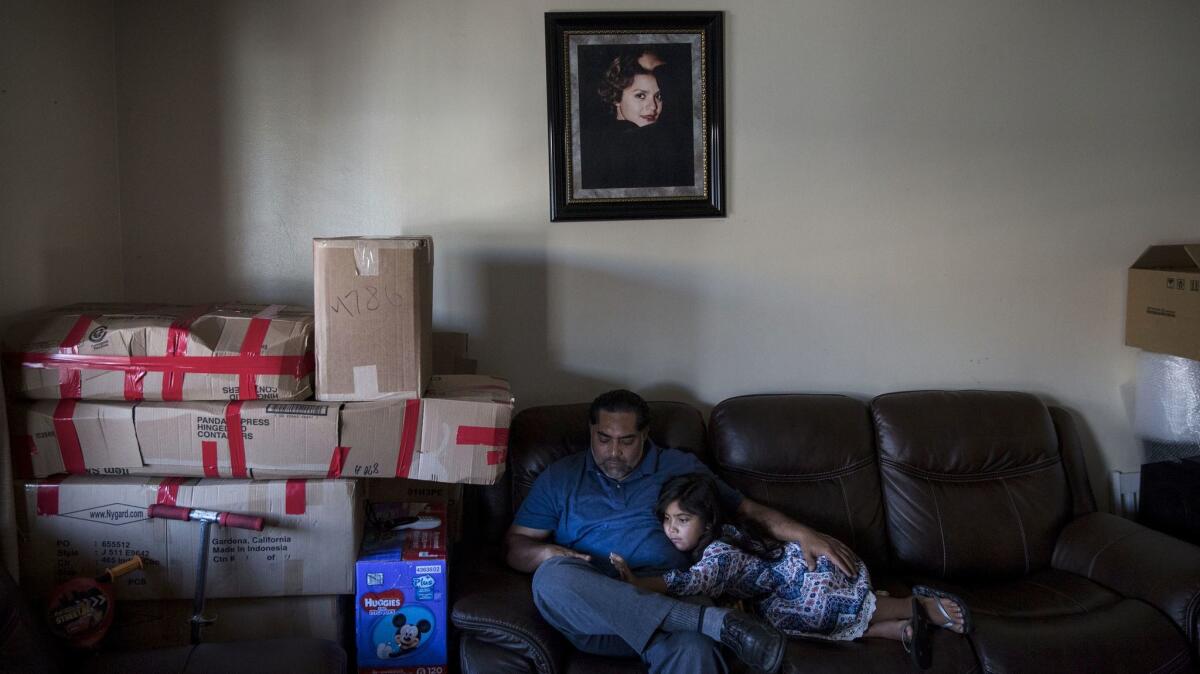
(982, 493)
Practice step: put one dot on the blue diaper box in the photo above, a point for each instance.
(400, 590)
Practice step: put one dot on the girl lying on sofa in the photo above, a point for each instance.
(738, 563)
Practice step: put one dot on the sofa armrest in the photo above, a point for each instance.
(497, 608)
(1137, 562)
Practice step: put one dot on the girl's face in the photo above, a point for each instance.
(641, 102)
(683, 528)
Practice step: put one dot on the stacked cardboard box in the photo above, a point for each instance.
(374, 311)
(79, 525)
(207, 407)
(458, 433)
(85, 369)
(376, 352)
(161, 352)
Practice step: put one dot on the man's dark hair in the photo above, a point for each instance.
(619, 401)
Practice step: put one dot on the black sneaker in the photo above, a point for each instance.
(753, 641)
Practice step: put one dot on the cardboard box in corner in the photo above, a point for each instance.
(1163, 309)
(80, 525)
(374, 315)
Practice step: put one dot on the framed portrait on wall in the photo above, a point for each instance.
(636, 115)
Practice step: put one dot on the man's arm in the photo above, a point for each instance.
(527, 548)
(813, 542)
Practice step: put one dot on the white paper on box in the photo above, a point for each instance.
(366, 382)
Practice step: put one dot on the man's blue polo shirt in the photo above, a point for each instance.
(595, 514)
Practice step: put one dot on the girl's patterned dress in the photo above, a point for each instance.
(823, 604)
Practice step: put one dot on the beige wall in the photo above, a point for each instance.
(59, 216)
(921, 194)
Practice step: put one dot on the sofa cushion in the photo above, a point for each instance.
(1041, 594)
(811, 457)
(1128, 636)
(951, 653)
(973, 481)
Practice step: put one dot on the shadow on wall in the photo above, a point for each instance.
(539, 318)
(172, 133)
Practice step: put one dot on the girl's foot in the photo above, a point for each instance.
(944, 612)
(888, 629)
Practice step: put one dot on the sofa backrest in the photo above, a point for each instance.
(974, 482)
(811, 457)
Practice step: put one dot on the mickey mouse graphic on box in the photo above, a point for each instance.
(401, 590)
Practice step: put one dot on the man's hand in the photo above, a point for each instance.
(552, 550)
(816, 544)
(813, 542)
(528, 548)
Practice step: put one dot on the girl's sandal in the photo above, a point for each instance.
(949, 624)
(915, 638)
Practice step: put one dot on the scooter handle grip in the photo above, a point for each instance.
(169, 512)
(241, 521)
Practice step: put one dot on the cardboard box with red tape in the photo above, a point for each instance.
(162, 352)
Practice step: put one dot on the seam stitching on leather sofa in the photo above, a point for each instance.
(937, 508)
(1171, 664)
(855, 467)
(974, 477)
(849, 516)
(1020, 524)
(1064, 595)
(525, 636)
(1096, 557)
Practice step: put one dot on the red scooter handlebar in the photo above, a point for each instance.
(236, 520)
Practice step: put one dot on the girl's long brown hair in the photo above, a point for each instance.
(697, 495)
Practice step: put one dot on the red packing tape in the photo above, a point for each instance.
(134, 383)
(68, 437)
(295, 502)
(296, 366)
(168, 490)
(482, 435)
(208, 454)
(408, 437)
(496, 456)
(69, 383)
(337, 462)
(177, 343)
(252, 348)
(237, 441)
(47, 495)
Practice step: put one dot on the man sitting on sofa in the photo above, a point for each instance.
(590, 504)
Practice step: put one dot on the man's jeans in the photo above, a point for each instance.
(607, 616)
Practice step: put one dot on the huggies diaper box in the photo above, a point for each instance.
(400, 590)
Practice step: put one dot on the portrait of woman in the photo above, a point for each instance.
(638, 130)
(636, 114)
